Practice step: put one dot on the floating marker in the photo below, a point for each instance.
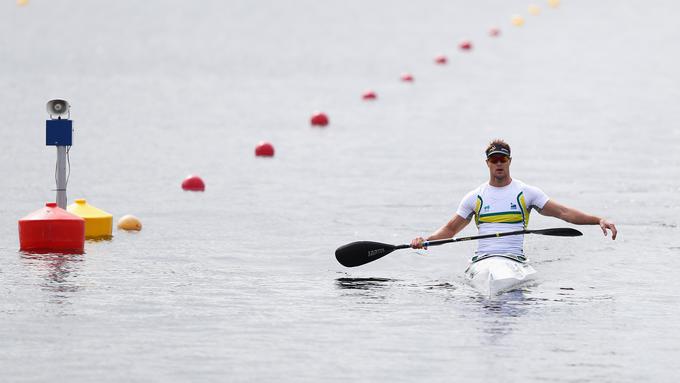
(319, 119)
(98, 223)
(406, 77)
(494, 32)
(554, 3)
(441, 60)
(517, 20)
(369, 95)
(129, 223)
(534, 10)
(52, 229)
(193, 183)
(465, 45)
(264, 149)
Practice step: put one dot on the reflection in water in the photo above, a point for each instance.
(500, 314)
(57, 271)
(372, 290)
(377, 290)
(363, 283)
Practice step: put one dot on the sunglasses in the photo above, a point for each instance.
(497, 159)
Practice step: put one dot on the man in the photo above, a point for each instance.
(504, 204)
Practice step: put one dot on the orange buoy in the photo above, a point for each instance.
(129, 223)
(406, 77)
(369, 95)
(517, 20)
(264, 149)
(465, 45)
(193, 183)
(534, 10)
(52, 229)
(441, 60)
(494, 32)
(319, 119)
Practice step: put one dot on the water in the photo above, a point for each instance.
(240, 284)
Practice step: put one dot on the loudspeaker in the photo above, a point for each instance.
(57, 107)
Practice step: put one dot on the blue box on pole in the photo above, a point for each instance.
(59, 132)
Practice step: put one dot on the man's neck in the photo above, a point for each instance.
(499, 183)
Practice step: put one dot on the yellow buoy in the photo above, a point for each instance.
(129, 222)
(22, 2)
(517, 20)
(554, 3)
(534, 10)
(98, 223)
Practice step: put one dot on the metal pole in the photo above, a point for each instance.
(61, 176)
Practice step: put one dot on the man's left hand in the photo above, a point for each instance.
(605, 224)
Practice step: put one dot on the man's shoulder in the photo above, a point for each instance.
(478, 190)
(522, 185)
(531, 192)
(472, 194)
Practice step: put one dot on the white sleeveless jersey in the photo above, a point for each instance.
(501, 209)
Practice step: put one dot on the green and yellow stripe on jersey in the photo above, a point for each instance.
(521, 216)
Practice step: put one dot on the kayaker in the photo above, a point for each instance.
(504, 204)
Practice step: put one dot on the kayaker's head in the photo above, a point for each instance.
(498, 160)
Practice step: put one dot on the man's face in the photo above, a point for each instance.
(499, 166)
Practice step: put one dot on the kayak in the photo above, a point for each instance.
(497, 273)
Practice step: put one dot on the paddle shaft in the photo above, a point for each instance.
(438, 242)
(560, 232)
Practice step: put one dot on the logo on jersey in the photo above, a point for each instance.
(513, 206)
(487, 207)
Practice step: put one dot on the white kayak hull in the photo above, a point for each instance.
(496, 274)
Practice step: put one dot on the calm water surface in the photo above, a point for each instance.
(240, 283)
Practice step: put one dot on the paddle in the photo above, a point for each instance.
(362, 252)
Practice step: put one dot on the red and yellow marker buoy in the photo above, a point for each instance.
(98, 223)
(52, 229)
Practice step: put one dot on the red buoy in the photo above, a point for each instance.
(319, 119)
(494, 32)
(52, 229)
(441, 60)
(406, 77)
(369, 95)
(465, 45)
(264, 149)
(193, 183)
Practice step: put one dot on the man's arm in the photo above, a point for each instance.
(451, 228)
(571, 215)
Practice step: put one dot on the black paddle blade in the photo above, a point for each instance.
(559, 232)
(362, 252)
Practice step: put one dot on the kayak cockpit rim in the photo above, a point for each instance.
(515, 257)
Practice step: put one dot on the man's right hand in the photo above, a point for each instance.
(417, 243)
